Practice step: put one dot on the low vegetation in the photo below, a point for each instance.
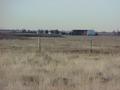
(65, 63)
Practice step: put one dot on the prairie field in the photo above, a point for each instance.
(60, 63)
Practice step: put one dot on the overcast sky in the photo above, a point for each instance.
(101, 15)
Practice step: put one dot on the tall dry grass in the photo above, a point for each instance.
(63, 64)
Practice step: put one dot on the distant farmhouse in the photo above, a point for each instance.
(83, 32)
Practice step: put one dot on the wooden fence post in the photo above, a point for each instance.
(39, 42)
(91, 45)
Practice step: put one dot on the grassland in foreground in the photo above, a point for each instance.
(63, 64)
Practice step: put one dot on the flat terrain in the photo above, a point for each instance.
(66, 63)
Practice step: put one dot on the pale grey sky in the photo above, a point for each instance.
(60, 14)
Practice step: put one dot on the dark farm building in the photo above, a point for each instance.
(83, 32)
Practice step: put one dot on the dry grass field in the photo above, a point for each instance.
(63, 64)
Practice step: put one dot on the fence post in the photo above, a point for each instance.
(91, 45)
(39, 42)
